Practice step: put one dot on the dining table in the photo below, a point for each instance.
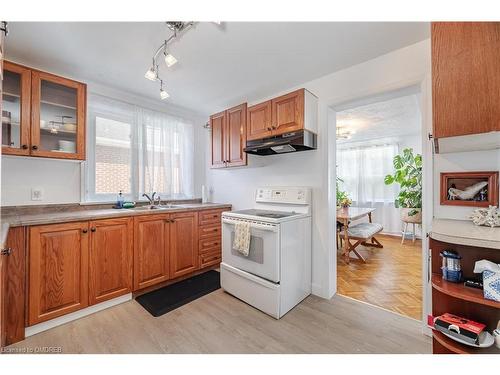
(346, 215)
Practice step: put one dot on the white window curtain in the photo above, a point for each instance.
(363, 170)
(166, 149)
(153, 150)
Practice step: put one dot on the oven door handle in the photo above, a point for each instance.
(269, 228)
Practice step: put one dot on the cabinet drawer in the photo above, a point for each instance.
(210, 231)
(210, 259)
(210, 217)
(210, 245)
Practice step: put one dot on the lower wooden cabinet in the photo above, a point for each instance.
(58, 270)
(110, 270)
(75, 265)
(151, 250)
(183, 244)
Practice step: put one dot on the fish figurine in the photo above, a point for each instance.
(468, 193)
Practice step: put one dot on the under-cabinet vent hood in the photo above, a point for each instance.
(301, 140)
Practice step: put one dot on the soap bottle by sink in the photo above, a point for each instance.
(120, 200)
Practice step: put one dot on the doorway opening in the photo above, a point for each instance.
(379, 201)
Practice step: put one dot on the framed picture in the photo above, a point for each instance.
(475, 189)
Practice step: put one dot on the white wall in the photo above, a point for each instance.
(61, 180)
(398, 69)
(461, 162)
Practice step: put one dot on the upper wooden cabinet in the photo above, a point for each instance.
(228, 137)
(16, 110)
(259, 120)
(287, 113)
(236, 125)
(58, 270)
(183, 244)
(43, 114)
(465, 78)
(151, 250)
(110, 261)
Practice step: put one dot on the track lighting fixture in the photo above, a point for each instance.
(169, 59)
(153, 73)
(163, 94)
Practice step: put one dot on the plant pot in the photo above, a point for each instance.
(416, 218)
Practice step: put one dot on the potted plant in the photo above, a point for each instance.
(343, 199)
(408, 174)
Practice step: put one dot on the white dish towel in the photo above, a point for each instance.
(242, 238)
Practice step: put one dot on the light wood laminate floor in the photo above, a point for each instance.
(220, 323)
(391, 277)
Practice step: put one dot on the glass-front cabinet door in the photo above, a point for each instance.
(16, 99)
(58, 117)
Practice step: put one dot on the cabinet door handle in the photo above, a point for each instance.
(172, 221)
(84, 230)
(7, 251)
(24, 147)
(269, 128)
(93, 229)
(34, 147)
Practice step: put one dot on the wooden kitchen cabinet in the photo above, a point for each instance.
(236, 136)
(16, 109)
(183, 244)
(218, 135)
(291, 112)
(58, 270)
(259, 121)
(13, 287)
(228, 137)
(288, 112)
(110, 260)
(465, 78)
(43, 114)
(151, 250)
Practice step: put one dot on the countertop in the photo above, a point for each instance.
(26, 219)
(464, 232)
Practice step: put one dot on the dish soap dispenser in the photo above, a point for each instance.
(120, 200)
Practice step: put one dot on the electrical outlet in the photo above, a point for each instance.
(36, 194)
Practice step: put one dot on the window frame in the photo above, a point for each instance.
(89, 194)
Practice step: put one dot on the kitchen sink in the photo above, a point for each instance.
(148, 208)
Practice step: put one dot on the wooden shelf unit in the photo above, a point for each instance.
(452, 346)
(458, 290)
(455, 298)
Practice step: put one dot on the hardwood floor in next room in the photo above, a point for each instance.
(391, 278)
(220, 323)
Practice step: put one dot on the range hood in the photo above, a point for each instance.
(301, 140)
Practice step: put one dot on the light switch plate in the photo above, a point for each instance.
(36, 194)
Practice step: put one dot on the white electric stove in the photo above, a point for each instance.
(276, 274)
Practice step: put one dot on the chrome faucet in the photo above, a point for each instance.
(151, 198)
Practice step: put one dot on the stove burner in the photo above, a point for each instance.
(266, 214)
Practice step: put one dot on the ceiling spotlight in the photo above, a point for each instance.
(169, 59)
(163, 94)
(151, 74)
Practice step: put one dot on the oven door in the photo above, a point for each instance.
(263, 256)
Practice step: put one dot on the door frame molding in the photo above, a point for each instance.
(424, 82)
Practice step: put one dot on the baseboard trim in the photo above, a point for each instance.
(44, 326)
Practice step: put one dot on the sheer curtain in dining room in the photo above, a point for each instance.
(362, 170)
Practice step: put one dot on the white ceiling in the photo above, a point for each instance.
(394, 118)
(218, 66)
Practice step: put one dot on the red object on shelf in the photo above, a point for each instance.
(462, 327)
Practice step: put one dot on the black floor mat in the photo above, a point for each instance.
(161, 301)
